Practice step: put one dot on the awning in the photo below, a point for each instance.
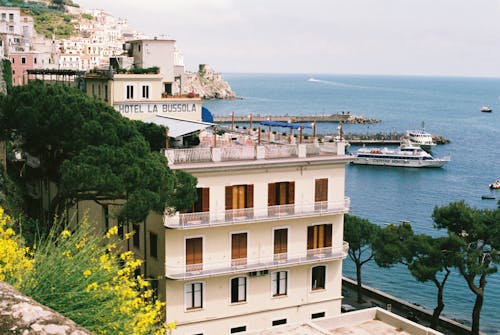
(285, 124)
(178, 127)
(206, 115)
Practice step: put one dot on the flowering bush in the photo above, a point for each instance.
(82, 275)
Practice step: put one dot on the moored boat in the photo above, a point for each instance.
(420, 138)
(486, 109)
(404, 156)
(495, 185)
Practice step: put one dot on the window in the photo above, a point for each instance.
(317, 315)
(279, 283)
(320, 194)
(280, 244)
(34, 60)
(145, 92)
(136, 239)
(193, 295)
(130, 91)
(106, 92)
(319, 239)
(238, 249)
(200, 208)
(3, 16)
(318, 274)
(279, 322)
(194, 254)
(11, 29)
(11, 17)
(238, 199)
(238, 289)
(238, 329)
(153, 245)
(280, 194)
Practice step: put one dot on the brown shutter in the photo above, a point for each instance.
(280, 241)
(271, 194)
(205, 199)
(229, 197)
(249, 199)
(328, 235)
(239, 246)
(321, 190)
(194, 251)
(310, 237)
(291, 193)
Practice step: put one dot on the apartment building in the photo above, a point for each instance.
(262, 246)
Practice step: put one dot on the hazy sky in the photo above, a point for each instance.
(415, 37)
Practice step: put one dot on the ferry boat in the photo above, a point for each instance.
(420, 138)
(404, 156)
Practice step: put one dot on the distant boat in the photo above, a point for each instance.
(312, 79)
(488, 197)
(486, 109)
(495, 185)
(420, 138)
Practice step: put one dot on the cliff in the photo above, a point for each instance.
(207, 83)
(21, 315)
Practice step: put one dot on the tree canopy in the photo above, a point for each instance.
(91, 152)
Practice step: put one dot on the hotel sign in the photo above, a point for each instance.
(129, 109)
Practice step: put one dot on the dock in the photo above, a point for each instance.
(344, 117)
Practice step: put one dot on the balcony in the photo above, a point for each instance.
(247, 215)
(174, 269)
(228, 152)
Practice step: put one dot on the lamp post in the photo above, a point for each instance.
(291, 132)
(232, 121)
(250, 121)
(314, 131)
(258, 140)
(270, 128)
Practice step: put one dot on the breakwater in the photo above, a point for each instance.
(344, 117)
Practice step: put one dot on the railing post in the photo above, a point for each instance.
(340, 148)
(302, 150)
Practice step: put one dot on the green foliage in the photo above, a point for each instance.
(54, 23)
(87, 16)
(475, 234)
(389, 245)
(154, 134)
(91, 152)
(7, 73)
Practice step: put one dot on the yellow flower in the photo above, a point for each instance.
(67, 253)
(91, 287)
(65, 233)
(112, 231)
(87, 273)
(129, 235)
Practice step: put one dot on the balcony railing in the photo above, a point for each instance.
(252, 152)
(175, 269)
(246, 215)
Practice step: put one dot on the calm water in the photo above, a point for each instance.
(449, 107)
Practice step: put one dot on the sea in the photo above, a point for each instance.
(446, 106)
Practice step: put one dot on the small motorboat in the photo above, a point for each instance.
(495, 185)
(486, 109)
(488, 197)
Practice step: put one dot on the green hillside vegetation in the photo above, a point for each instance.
(50, 20)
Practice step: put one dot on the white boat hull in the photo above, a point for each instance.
(414, 163)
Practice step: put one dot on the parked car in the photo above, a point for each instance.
(347, 308)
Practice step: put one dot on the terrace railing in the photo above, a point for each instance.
(246, 215)
(176, 269)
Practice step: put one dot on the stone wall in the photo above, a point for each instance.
(21, 315)
(207, 83)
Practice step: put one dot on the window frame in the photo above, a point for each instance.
(129, 91)
(192, 306)
(232, 294)
(275, 274)
(312, 286)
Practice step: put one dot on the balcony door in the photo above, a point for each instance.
(321, 194)
(319, 239)
(194, 254)
(280, 244)
(239, 201)
(238, 249)
(199, 211)
(281, 197)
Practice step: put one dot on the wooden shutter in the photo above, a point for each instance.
(291, 193)
(271, 194)
(239, 246)
(328, 235)
(321, 190)
(249, 196)
(229, 197)
(310, 237)
(194, 251)
(280, 241)
(205, 199)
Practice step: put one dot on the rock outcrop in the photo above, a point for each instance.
(207, 83)
(21, 315)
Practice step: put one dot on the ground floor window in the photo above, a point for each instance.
(279, 283)
(238, 289)
(239, 329)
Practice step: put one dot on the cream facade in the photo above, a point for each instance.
(262, 246)
(139, 96)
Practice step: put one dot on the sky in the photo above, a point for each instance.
(391, 37)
